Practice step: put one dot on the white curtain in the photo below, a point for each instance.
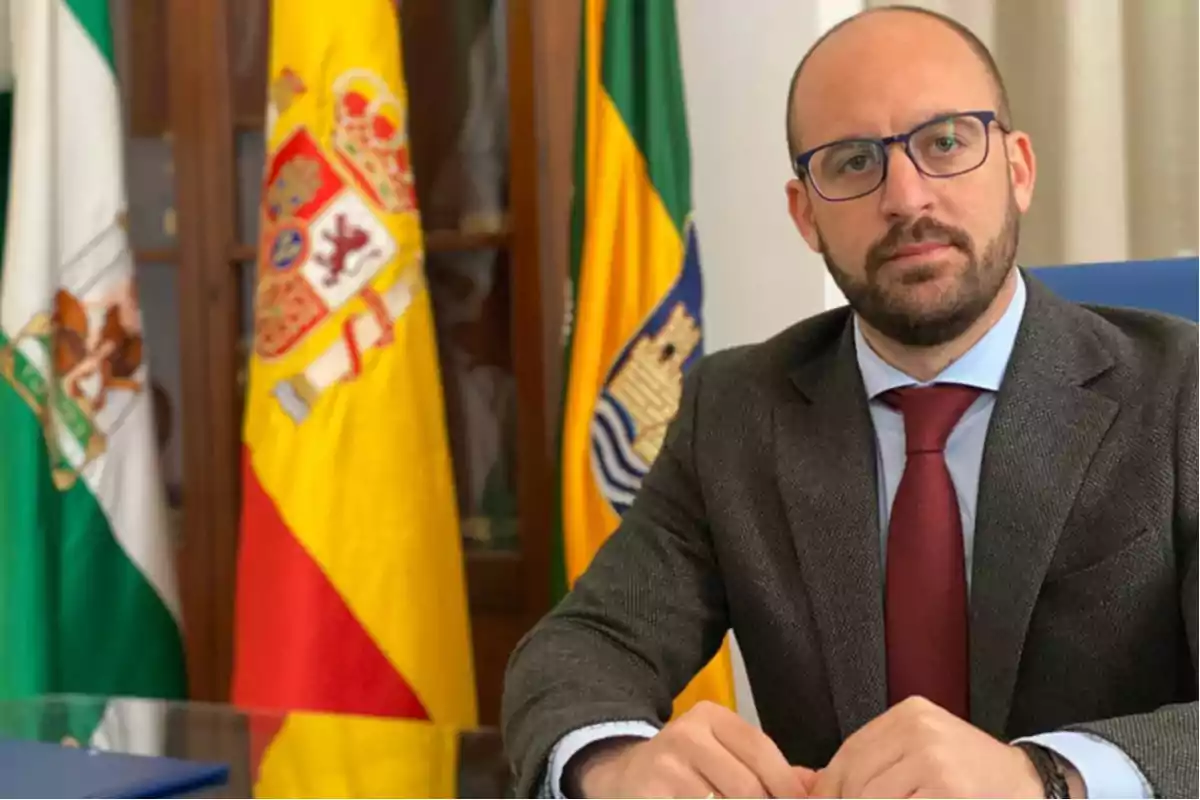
(1108, 91)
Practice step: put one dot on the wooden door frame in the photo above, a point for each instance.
(198, 103)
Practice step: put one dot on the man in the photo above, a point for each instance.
(954, 530)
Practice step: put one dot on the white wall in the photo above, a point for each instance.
(759, 275)
(738, 58)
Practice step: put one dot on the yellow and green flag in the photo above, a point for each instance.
(634, 324)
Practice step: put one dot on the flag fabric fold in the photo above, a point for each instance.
(327, 755)
(88, 592)
(351, 591)
(635, 321)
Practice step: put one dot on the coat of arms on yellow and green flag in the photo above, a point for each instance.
(635, 322)
(88, 596)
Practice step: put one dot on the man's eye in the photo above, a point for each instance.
(855, 162)
(946, 143)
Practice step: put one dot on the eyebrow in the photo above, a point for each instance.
(949, 112)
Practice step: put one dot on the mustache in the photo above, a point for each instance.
(925, 230)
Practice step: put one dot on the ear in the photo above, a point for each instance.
(800, 207)
(1022, 167)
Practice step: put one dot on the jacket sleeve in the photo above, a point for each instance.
(1163, 743)
(646, 616)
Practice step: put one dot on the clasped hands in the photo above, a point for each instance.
(914, 749)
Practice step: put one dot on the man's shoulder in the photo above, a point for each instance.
(770, 361)
(1146, 345)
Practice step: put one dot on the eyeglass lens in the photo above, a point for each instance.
(940, 148)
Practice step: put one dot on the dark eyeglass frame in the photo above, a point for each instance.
(800, 165)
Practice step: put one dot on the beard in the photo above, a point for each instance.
(883, 304)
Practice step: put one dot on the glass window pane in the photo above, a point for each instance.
(470, 293)
(139, 47)
(456, 63)
(249, 31)
(248, 274)
(249, 35)
(158, 292)
(150, 186)
(249, 152)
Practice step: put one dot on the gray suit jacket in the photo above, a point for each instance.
(761, 515)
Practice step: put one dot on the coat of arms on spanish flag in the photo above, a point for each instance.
(351, 593)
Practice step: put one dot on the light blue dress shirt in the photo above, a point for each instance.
(1105, 769)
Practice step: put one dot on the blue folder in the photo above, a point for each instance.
(41, 769)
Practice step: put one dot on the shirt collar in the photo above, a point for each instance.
(982, 366)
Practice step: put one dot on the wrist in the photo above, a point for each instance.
(588, 772)
(1055, 776)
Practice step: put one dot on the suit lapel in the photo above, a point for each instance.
(1045, 429)
(825, 455)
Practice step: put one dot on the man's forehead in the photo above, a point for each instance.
(885, 72)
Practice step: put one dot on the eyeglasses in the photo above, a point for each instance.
(943, 147)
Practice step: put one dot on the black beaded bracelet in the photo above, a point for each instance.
(1054, 782)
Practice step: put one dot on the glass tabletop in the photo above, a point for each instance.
(276, 754)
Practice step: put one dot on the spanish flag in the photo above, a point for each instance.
(635, 324)
(350, 594)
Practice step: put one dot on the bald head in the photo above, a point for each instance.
(880, 42)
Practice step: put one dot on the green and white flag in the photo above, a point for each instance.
(88, 594)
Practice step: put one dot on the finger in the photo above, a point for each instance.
(679, 779)
(853, 767)
(877, 742)
(730, 777)
(720, 767)
(902, 779)
(760, 755)
(869, 764)
(824, 786)
(867, 737)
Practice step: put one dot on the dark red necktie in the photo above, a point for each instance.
(925, 609)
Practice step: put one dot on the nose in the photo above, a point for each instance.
(905, 192)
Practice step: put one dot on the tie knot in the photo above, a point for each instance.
(930, 413)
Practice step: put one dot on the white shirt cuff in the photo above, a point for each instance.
(1105, 768)
(568, 746)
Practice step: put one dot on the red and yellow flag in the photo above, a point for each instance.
(350, 594)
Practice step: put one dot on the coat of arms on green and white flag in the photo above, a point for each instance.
(88, 593)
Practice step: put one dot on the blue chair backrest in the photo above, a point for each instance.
(1169, 285)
